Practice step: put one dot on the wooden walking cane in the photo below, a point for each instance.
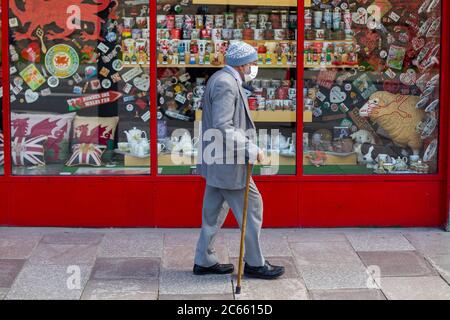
(243, 227)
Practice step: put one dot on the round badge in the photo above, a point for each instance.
(334, 107)
(348, 87)
(383, 54)
(129, 107)
(70, 82)
(53, 82)
(111, 36)
(117, 65)
(106, 83)
(62, 61)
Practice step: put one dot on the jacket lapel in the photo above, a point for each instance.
(243, 96)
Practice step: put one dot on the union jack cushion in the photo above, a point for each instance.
(2, 146)
(28, 151)
(86, 154)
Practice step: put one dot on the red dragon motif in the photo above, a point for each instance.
(44, 128)
(98, 135)
(43, 13)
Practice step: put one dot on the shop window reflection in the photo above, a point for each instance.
(79, 87)
(371, 87)
(192, 38)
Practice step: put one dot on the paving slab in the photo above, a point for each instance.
(64, 254)
(121, 290)
(279, 289)
(48, 282)
(128, 244)
(182, 257)
(313, 236)
(189, 237)
(9, 269)
(126, 269)
(347, 294)
(272, 244)
(291, 271)
(219, 297)
(379, 242)
(185, 282)
(397, 263)
(3, 293)
(308, 253)
(73, 238)
(17, 245)
(415, 288)
(430, 243)
(335, 276)
(442, 265)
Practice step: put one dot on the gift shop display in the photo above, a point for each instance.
(192, 39)
(79, 74)
(371, 87)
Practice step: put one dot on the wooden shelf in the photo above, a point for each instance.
(165, 159)
(330, 67)
(265, 3)
(330, 41)
(264, 116)
(267, 66)
(135, 65)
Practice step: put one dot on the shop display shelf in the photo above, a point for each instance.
(318, 66)
(135, 65)
(264, 115)
(268, 66)
(331, 41)
(262, 3)
(165, 159)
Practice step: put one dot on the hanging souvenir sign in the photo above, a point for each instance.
(62, 61)
(93, 100)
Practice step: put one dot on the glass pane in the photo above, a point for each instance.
(371, 87)
(2, 154)
(79, 87)
(191, 42)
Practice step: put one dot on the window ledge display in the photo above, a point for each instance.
(270, 3)
(264, 115)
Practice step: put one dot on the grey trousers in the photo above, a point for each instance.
(216, 203)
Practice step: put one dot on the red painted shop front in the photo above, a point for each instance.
(99, 95)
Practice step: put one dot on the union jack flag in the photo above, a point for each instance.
(28, 151)
(86, 154)
(2, 152)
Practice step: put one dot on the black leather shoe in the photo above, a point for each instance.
(267, 271)
(215, 269)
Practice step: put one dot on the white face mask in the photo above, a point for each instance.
(252, 75)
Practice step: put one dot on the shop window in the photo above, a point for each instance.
(79, 87)
(192, 37)
(371, 87)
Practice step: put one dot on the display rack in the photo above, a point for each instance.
(266, 3)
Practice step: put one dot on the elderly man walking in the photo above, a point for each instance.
(225, 110)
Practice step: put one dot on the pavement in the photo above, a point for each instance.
(66, 263)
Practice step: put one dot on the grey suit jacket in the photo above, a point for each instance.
(225, 109)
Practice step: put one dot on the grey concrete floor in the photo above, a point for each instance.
(63, 263)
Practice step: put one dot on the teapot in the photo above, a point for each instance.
(140, 147)
(186, 144)
(401, 164)
(135, 135)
